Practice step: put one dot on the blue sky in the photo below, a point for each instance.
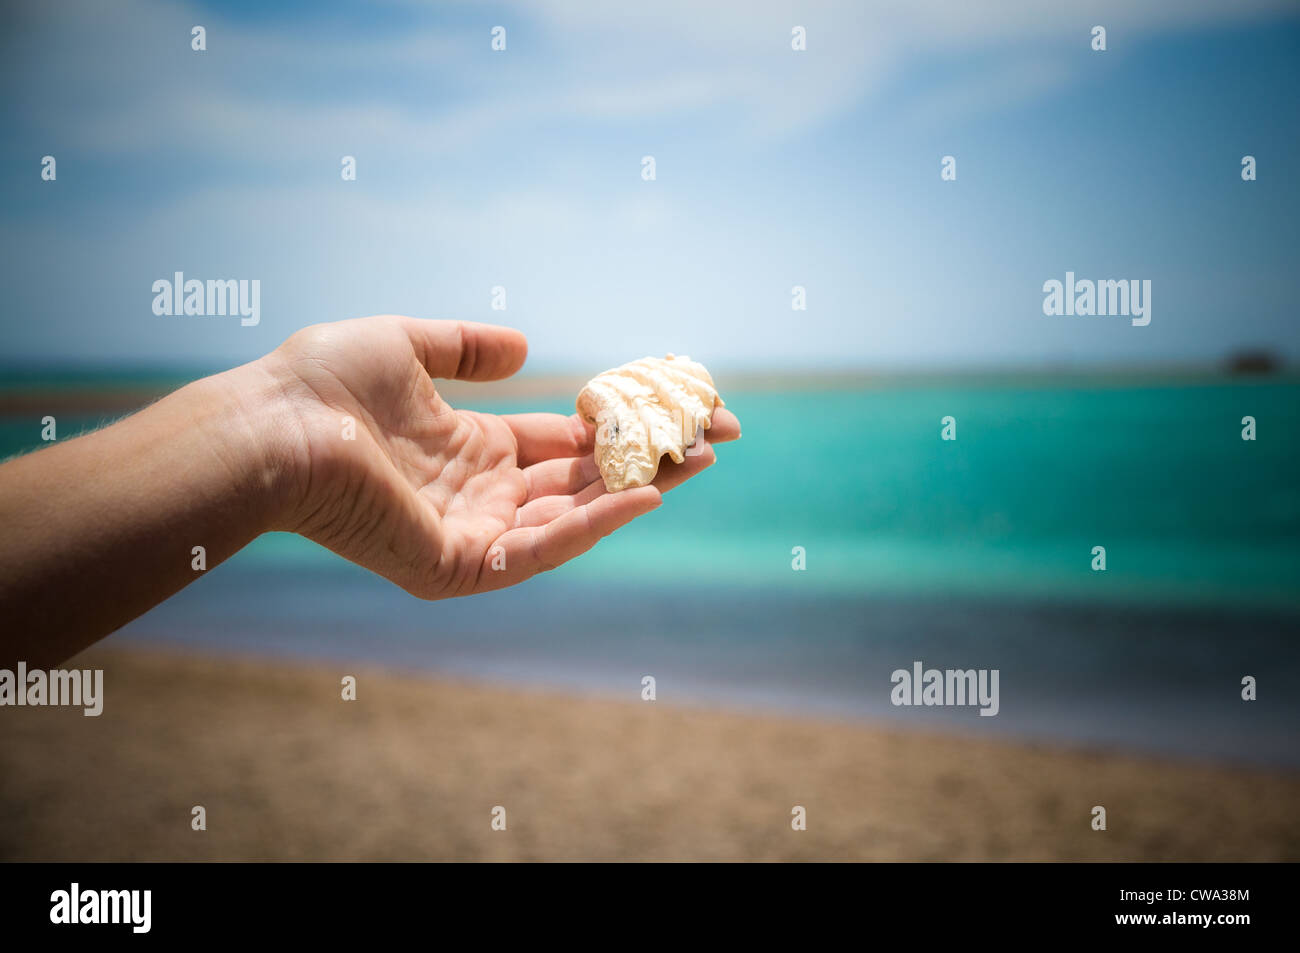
(774, 168)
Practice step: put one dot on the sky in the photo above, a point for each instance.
(523, 169)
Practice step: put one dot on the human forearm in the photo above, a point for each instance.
(100, 528)
(339, 434)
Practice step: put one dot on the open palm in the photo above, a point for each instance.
(444, 502)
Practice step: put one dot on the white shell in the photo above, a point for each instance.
(643, 410)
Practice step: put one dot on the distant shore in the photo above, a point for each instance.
(412, 769)
(96, 391)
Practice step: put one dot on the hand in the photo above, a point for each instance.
(443, 502)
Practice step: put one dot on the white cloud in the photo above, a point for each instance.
(262, 85)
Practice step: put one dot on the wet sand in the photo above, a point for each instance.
(412, 770)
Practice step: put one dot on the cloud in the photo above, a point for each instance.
(435, 89)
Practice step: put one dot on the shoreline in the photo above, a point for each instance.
(790, 707)
(287, 770)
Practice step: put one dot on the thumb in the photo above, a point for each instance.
(466, 350)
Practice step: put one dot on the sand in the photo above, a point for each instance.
(412, 770)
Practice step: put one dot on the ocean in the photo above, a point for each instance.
(976, 553)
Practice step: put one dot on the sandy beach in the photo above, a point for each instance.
(412, 769)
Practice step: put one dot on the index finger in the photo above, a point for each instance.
(725, 426)
(546, 436)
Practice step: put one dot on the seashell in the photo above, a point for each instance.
(643, 410)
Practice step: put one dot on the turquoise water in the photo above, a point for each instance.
(1188, 512)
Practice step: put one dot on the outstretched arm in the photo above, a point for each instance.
(102, 527)
(340, 434)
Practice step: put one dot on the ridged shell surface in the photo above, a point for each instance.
(643, 410)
